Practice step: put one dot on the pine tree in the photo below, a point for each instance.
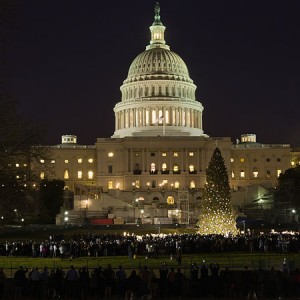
(217, 216)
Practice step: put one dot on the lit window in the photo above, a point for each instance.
(192, 184)
(292, 163)
(255, 174)
(191, 153)
(52, 161)
(175, 168)
(17, 176)
(164, 167)
(42, 161)
(176, 185)
(164, 154)
(278, 173)
(170, 200)
(110, 154)
(242, 174)
(232, 174)
(90, 160)
(90, 174)
(79, 160)
(17, 165)
(25, 165)
(137, 184)
(152, 167)
(175, 154)
(109, 184)
(79, 174)
(191, 168)
(42, 175)
(66, 161)
(66, 174)
(231, 159)
(242, 159)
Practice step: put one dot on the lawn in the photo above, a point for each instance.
(234, 261)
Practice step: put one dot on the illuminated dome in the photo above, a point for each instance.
(158, 95)
(158, 61)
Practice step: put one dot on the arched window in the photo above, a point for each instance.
(155, 199)
(66, 174)
(176, 169)
(191, 168)
(152, 168)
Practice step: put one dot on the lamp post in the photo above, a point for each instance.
(66, 218)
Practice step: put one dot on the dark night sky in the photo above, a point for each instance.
(67, 60)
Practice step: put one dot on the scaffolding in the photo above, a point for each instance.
(184, 206)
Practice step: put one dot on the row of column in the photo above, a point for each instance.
(150, 91)
(140, 117)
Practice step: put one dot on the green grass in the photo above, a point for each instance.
(233, 261)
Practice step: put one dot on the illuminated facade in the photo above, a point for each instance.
(153, 167)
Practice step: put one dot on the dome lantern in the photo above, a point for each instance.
(157, 31)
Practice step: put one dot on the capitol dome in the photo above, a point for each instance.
(158, 95)
(158, 61)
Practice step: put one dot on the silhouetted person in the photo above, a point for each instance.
(2, 283)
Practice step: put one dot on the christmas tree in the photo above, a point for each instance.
(217, 215)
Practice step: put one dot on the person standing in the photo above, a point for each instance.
(20, 282)
(109, 281)
(2, 283)
(71, 282)
(163, 279)
(35, 280)
(121, 281)
(84, 280)
(44, 282)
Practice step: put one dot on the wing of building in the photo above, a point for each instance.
(153, 167)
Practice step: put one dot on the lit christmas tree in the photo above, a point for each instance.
(217, 215)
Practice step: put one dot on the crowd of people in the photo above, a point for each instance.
(152, 245)
(203, 280)
(174, 281)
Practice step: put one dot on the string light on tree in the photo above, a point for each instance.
(217, 215)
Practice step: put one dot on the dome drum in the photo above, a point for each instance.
(158, 88)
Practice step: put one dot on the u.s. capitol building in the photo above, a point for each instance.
(153, 167)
